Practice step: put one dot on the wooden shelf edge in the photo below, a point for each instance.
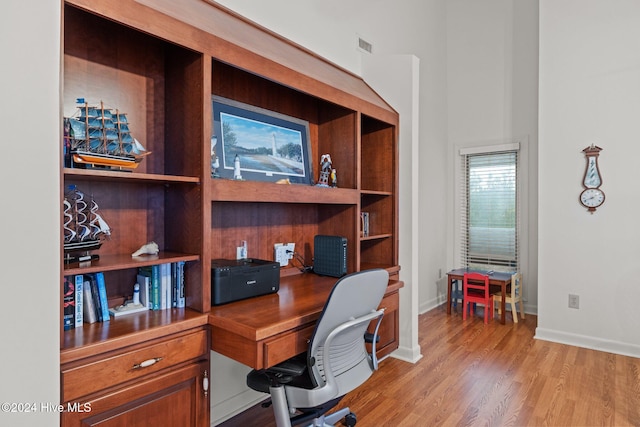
(375, 193)
(224, 190)
(124, 261)
(392, 269)
(376, 237)
(101, 337)
(128, 176)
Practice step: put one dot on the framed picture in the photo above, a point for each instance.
(255, 144)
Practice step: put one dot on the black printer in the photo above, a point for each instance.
(233, 280)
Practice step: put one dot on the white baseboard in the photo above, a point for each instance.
(431, 304)
(411, 355)
(593, 343)
(235, 405)
(435, 302)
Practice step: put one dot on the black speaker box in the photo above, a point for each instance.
(330, 255)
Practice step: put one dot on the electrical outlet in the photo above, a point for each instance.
(289, 250)
(282, 253)
(241, 251)
(574, 301)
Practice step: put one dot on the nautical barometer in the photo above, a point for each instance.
(592, 196)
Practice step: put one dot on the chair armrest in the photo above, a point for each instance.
(326, 363)
(295, 366)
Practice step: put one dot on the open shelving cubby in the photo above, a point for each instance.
(266, 213)
(155, 83)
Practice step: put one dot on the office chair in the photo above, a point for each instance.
(304, 388)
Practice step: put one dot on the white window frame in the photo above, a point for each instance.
(523, 186)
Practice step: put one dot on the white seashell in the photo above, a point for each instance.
(150, 248)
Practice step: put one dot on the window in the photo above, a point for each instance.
(490, 212)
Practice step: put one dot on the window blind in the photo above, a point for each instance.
(490, 210)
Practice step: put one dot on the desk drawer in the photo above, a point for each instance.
(287, 345)
(114, 368)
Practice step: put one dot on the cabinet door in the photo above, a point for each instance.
(389, 327)
(176, 399)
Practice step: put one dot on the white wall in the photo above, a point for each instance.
(396, 77)
(30, 224)
(589, 93)
(491, 80)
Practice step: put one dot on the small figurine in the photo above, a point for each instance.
(129, 307)
(150, 248)
(215, 162)
(325, 170)
(136, 294)
(236, 168)
(334, 178)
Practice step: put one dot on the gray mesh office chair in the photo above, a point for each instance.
(307, 386)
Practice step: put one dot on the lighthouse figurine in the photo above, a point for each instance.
(236, 168)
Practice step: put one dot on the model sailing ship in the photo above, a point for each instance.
(99, 137)
(84, 228)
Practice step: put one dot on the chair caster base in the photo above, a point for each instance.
(350, 420)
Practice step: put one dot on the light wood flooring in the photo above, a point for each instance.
(473, 374)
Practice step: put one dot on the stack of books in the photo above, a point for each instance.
(161, 286)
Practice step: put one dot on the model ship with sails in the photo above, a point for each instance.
(84, 228)
(99, 137)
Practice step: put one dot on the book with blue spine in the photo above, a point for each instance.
(155, 286)
(102, 293)
(79, 295)
(165, 287)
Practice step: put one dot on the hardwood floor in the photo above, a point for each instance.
(494, 375)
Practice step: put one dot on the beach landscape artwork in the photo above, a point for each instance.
(261, 147)
(266, 146)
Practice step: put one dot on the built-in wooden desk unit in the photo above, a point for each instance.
(162, 64)
(262, 331)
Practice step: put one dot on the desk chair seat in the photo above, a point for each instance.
(513, 297)
(304, 388)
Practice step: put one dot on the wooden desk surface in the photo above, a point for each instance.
(262, 331)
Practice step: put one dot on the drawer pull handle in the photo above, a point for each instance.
(147, 363)
(205, 383)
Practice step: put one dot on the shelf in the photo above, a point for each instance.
(127, 330)
(376, 237)
(392, 269)
(105, 175)
(376, 193)
(224, 190)
(125, 261)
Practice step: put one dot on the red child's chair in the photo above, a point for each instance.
(475, 288)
